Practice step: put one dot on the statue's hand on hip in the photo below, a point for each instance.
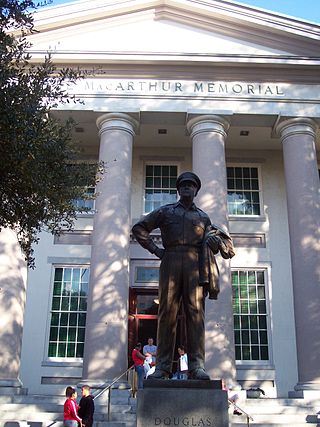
(159, 252)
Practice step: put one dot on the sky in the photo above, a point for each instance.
(308, 10)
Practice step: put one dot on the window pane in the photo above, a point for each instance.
(58, 274)
(63, 334)
(55, 319)
(62, 349)
(264, 353)
(82, 304)
(238, 353)
(246, 352)
(53, 334)
(64, 319)
(57, 288)
(244, 322)
(55, 303)
(73, 319)
(81, 334)
(255, 352)
(71, 347)
(245, 337)
(147, 274)
(147, 304)
(254, 337)
(253, 322)
(52, 352)
(82, 319)
(72, 334)
(236, 320)
(79, 350)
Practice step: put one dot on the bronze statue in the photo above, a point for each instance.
(188, 272)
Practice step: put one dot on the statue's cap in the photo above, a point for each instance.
(189, 176)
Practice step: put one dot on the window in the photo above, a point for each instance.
(250, 315)
(147, 274)
(68, 312)
(160, 186)
(243, 191)
(87, 204)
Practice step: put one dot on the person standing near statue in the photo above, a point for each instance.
(188, 272)
(150, 350)
(86, 407)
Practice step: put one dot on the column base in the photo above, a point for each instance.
(12, 387)
(308, 390)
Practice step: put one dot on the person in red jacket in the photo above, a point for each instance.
(138, 359)
(70, 409)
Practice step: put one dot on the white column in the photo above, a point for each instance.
(208, 134)
(105, 353)
(302, 185)
(13, 278)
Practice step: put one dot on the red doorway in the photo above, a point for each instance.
(143, 318)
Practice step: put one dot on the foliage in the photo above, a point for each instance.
(39, 173)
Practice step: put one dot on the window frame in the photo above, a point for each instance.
(51, 359)
(155, 163)
(91, 211)
(260, 191)
(267, 275)
(145, 263)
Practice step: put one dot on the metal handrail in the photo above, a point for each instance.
(109, 387)
(249, 417)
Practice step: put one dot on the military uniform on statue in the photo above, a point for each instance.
(188, 272)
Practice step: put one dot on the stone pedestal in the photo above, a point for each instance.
(182, 403)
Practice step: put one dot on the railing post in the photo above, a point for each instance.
(109, 403)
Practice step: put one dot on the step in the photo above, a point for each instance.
(12, 423)
(269, 424)
(282, 402)
(271, 419)
(55, 408)
(25, 414)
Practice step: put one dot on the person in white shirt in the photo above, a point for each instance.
(150, 350)
(182, 364)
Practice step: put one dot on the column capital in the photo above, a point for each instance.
(296, 126)
(117, 121)
(208, 123)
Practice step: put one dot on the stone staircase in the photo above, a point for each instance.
(277, 413)
(47, 411)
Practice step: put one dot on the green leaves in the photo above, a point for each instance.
(40, 175)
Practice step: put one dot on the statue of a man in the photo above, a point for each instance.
(188, 272)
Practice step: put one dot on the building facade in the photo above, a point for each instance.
(229, 92)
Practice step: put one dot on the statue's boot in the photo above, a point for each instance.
(199, 374)
(158, 375)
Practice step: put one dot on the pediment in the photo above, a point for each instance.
(169, 28)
